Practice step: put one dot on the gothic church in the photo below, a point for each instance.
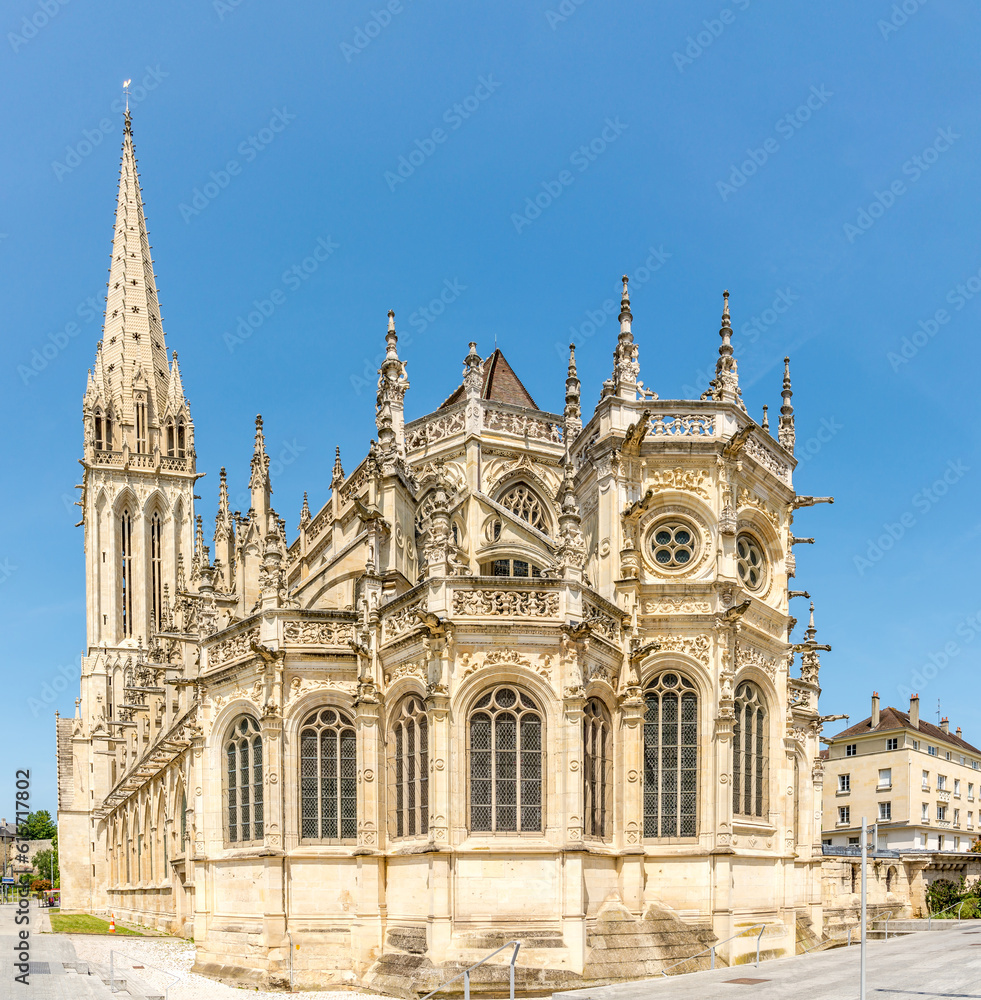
(523, 674)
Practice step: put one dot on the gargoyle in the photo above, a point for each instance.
(368, 515)
(732, 615)
(433, 624)
(735, 444)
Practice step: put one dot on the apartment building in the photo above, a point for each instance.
(920, 784)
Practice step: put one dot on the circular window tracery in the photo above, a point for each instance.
(674, 544)
(750, 562)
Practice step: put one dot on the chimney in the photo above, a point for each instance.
(945, 724)
(959, 732)
(875, 709)
(914, 711)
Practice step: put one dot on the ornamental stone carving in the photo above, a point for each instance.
(748, 656)
(308, 633)
(519, 603)
(677, 606)
(696, 646)
(238, 647)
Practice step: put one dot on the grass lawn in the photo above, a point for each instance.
(84, 923)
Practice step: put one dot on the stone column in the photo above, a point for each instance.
(630, 768)
(570, 752)
(440, 819)
(367, 933)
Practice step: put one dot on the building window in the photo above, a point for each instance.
(141, 430)
(932, 751)
(892, 743)
(328, 777)
(885, 810)
(410, 767)
(957, 817)
(947, 755)
(243, 774)
(524, 504)
(941, 782)
(970, 819)
(941, 813)
(510, 567)
(957, 787)
(670, 757)
(925, 781)
(844, 815)
(749, 753)
(925, 812)
(99, 444)
(126, 570)
(974, 764)
(597, 769)
(851, 749)
(916, 744)
(181, 439)
(885, 777)
(750, 564)
(156, 569)
(844, 782)
(506, 764)
(853, 841)
(171, 440)
(674, 544)
(962, 760)
(970, 790)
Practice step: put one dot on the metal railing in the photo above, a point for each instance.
(930, 916)
(138, 964)
(465, 975)
(711, 950)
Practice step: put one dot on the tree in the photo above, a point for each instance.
(46, 864)
(38, 826)
(40, 885)
(975, 848)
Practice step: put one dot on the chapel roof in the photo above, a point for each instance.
(500, 384)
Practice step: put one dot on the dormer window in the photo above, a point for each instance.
(524, 504)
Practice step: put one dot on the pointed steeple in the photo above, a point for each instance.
(133, 343)
(766, 419)
(337, 476)
(224, 534)
(392, 387)
(626, 368)
(259, 484)
(305, 511)
(473, 372)
(573, 409)
(787, 434)
(175, 389)
(725, 386)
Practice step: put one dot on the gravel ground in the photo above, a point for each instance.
(176, 956)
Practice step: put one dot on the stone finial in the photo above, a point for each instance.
(473, 372)
(786, 432)
(626, 368)
(393, 384)
(305, 511)
(573, 390)
(725, 385)
(766, 419)
(337, 477)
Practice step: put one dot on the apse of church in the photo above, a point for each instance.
(522, 674)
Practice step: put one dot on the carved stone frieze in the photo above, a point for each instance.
(677, 606)
(235, 648)
(519, 603)
(311, 633)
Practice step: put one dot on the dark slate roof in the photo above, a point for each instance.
(500, 384)
(892, 718)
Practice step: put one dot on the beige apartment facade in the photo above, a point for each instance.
(522, 674)
(918, 783)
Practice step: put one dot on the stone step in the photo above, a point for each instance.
(922, 924)
(125, 979)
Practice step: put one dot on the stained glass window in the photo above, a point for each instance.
(328, 777)
(670, 757)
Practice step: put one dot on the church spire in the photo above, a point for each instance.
(133, 353)
(786, 432)
(337, 476)
(573, 410)
(626, 368)
(259, 479)
(390, 400)
(726, 383)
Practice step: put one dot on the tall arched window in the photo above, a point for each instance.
(99, 439)
(183, 821)
(138, 848)
(107, 431)
(141, 427)
(181, 445)
(410, 767)
(506, 763)
(171, 441)
(749, 753)
(126, 849)
(597, 769)
(126, 570)
(670, 757)
(243, 776)
(328, 777)
(524, 504)
(156, 568)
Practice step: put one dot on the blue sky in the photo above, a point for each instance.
(820, 162)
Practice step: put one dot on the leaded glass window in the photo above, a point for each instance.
(750, 563)
(670, 757)
(409, 746)
(749, 753)
(243, 781)
(328, 777)
(597, 769)
(524, 504)
(506, 746)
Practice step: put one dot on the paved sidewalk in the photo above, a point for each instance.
(49, 953)
(915, 967)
